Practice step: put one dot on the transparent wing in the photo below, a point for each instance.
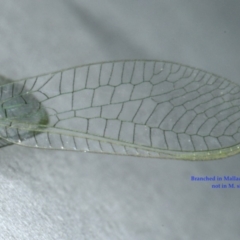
(139, 108)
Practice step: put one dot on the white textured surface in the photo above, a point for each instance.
(66, 195)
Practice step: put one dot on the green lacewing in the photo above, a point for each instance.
(142, 108)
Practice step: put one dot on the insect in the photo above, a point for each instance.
(140, 108)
